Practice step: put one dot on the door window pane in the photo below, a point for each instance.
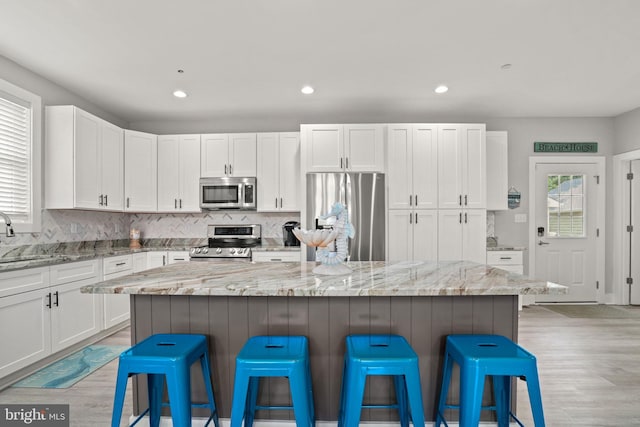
(565, 205)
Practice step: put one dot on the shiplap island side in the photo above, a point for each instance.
(229, 302)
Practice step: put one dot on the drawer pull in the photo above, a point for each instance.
(120, 263)
(505, 257)
(276, 259)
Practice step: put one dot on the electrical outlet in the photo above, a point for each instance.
(519, 218)
(74, 228)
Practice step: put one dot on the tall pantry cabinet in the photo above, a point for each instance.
(140, 171)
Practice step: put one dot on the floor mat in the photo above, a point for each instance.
(595, 311)
(68, 371)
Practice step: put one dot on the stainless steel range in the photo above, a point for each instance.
(228, 242)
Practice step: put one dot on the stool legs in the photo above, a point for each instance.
(444, 390)
(353, 391)
(239, 405)
(206, 374)
(414, 392)
(118, 400)
(179, 387)
(535, 397)
(502, 396)
(155, 388)
(300, 398)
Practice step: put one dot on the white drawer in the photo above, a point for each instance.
(75, 271)
(276, 256)
(504, 257)
(178, 256)
(16, 282)
(117, 264)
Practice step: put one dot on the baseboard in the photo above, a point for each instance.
(224, 422)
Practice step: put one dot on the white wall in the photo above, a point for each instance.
(627, 128)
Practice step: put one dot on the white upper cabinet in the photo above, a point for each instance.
(461, 166)
(497, 170)
(140, 171)
(278, 173)
(412, 162)
(178, 173)
(83, 161)
(232, 154)
(349, 148)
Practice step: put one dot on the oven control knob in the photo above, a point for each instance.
(232, 251)
(198, 250)
(218, 251)
(205, 250)
(193, 250)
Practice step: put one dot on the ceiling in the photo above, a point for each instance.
(372, 58)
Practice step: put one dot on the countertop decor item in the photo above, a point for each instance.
(331, 262)
(134, 236)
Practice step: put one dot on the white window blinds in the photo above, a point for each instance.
(15, 158)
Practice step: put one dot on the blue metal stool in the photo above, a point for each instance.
(495, 355)
(380, 355)
(167, 356)
(273, 356)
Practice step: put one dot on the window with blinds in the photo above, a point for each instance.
(15, 158)
(20, 157)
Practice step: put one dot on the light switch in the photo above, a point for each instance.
(520, 218)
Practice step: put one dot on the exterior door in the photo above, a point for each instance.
(634, 267)
(566, 226)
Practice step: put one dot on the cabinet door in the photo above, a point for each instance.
(87, 173)
(450, 235)
(449, 164)
(400, 246)
(140, 172)
(424, 166)
(425, 235)
(324, 147)
(242, 154)
(112, 167)
(400, 164)
(214, 155)
(116, 307)
(497, 166)
(139, 261)
(474, 236)
(189, 200)
(156, 259)
(474, 180)
(74, 315)
(268, 173)
(168, 173)
(364, 148)
(290, 178)
(28, 337)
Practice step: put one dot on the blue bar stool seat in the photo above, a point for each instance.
(273, 356)
(380, 355)
(499, 357)
(166, 356)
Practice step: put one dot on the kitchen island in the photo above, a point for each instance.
(229, 302)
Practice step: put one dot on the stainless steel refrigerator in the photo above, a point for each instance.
(363, 195)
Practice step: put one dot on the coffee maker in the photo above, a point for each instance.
(287, 233)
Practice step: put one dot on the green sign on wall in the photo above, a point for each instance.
(565, 147)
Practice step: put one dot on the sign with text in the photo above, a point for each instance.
(565, 147)
(34, 415)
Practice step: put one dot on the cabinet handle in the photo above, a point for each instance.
(57, 297)
(127, 202)
(178, 259)
(415, 198)
(460, 199)
(340, 162)
(230, 170)
(280, 202)
(118, 264)
(465, 217)
(416, 217)
(410, 218)
(410, 203)
(175, 203)
(276, 202)
(48, 304)
(106, 200)
(346, 162)
(275, 259)
(465, 200)
(460, 218)
(180, 203)
(505, 257)
(164, 260)
(100, 200)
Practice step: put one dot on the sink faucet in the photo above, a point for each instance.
(7, 221)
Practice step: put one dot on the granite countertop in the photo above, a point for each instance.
(375, 278)
(272, 244)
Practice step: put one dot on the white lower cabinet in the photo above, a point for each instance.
(116, 307)
(510, 261)
(177, 256)
(462, 235)
(46, 311)
(276, 256)
(139, 261)
(156, 259)
(413, 235)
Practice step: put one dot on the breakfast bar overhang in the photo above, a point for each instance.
(230, 302)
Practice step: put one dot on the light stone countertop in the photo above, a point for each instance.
(375, 278)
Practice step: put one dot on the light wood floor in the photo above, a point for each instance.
(589, 373)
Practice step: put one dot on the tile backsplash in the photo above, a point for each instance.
(76, 225)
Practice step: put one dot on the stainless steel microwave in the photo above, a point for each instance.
(228, 193)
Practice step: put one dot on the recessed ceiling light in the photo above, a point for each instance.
(180, 94)
(441, 89)
(307, 90)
